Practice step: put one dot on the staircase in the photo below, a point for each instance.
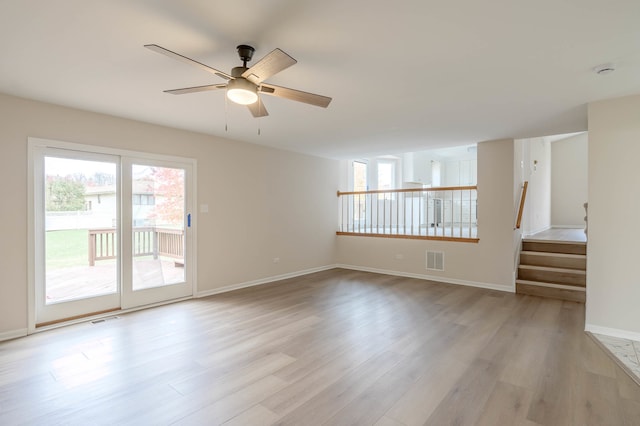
(556, 269)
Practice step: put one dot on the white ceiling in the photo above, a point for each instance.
(406, 75)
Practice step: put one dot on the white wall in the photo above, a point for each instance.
(263, 203)
(488, 263)
(534, 158)
(613, 281)
(569, 176)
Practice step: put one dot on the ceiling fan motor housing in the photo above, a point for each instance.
(245, 52)
(238, 71)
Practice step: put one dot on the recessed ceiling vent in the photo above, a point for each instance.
(604, 69)
(435, 260)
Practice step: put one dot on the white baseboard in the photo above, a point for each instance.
(568, 226)
(613, 332)
(262, 281)
(13, 334)
(489, 286)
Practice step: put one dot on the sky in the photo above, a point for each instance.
(55, 166)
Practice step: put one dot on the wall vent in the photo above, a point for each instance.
(435, 260)
(101, 320)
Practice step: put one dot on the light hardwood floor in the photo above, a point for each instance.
(336, 347)
(560, 234)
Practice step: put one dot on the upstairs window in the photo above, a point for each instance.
(386, 178)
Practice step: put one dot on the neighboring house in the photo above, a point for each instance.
(102, 199)
(100, 203)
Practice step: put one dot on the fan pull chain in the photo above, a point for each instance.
(259, 109)
(226, 113)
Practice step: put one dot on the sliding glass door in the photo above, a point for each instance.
(157, 227)
(110, 232)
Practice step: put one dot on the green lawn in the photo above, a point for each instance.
(67, 248)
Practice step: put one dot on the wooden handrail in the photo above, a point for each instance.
(523, 197)
(395, 191)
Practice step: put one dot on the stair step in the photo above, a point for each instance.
(561, 276)
(554, 246)
(556, 260)
(551, 291)
(551, 285)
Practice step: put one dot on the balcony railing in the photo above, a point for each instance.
(147, 241)
(446, 213)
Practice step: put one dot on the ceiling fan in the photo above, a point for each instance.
(244, 84)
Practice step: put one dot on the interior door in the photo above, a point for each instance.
(77, 219)
(157, 224)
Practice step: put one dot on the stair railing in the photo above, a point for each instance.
(518, 235)
(523, 197)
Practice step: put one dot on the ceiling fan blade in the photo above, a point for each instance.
(295, 95)
(271, 64)
(196, 89)
(257, 109)
(186, 60)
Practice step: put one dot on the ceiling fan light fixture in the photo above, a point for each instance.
(242, 91)
(244, 84)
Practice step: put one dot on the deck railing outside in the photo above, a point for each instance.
(147, 241)
(446, 213)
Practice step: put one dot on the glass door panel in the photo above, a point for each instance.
(157, 223)
(77, 270)
(158, 197)
(80, 229)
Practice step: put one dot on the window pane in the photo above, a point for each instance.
(386, 176)
(359, 176)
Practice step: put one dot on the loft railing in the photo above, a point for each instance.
(147, 241)
(446, 213)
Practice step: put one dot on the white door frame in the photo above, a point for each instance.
(35, 144)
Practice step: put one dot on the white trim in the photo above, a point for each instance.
(488, 286)
(31, 243)
(261, 281)
(13, 334)
(613, 332)
(567, 226)
(73, 146)
(195, 224)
